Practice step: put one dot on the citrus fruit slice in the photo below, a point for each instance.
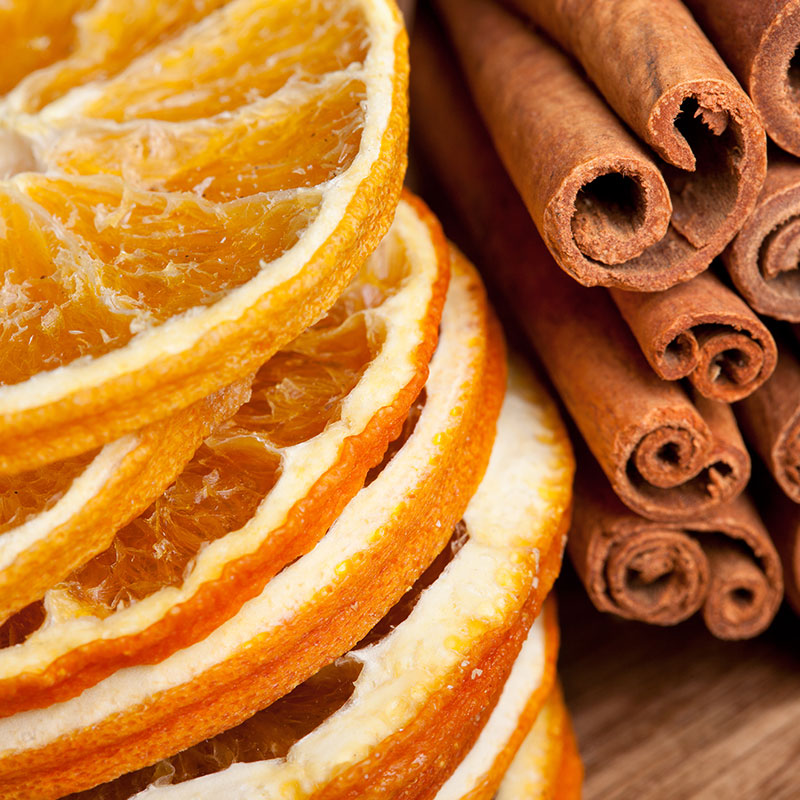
(273, 732)
(547, 764)
(317, 608)
(56, 517)
(401, 710)
(260, 490)
(191, 186)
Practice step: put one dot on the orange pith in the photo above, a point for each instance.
(165, 155)
(296, 397)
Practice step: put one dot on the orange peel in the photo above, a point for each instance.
(262, 489)
(161, 261)
(547, 764)
(525, 696)
(317, 607)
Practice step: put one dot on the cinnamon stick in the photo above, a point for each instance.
(662, 573)
(763, 259)
(656, 68)
(666, 457)
(770, 420)
(704, 331)
(759, 41)
(596, 195)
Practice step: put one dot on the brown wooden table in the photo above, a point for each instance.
(672, 713)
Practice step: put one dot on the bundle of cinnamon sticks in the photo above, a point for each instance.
(608, 166)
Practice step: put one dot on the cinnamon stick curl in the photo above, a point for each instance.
(667, 457)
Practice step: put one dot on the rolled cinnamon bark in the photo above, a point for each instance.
(596, 195)
(656, 68)
(770, 420)
(666, 457)
(662, 573)
(763, 259)
(759, 41)
(704, 331)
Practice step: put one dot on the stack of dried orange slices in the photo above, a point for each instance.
(276, 520)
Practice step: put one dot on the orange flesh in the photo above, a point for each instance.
(30, 493)
(183, 177)
(296, 395)
(33, 34)
(21, 625)
(272, 732)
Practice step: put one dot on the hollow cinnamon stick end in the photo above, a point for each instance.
(732, 364)
(606, 213)
(762, 261)
(741, 601)
(710, 129)
(657, 576)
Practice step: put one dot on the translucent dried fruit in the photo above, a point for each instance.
(56, 517)
(184, 187)
(317, 607)
(428, 681)
(261, 489)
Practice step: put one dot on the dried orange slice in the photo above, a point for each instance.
(259, 492)
(400, 711)
(274, 732)
(547, 764)
(184, 188)
(55, 518)
(319, 606)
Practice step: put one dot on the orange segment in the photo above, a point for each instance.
(24, 496)
(33, 34)
(260, 491)
(295, 397)
(86, 46)
(214, 178)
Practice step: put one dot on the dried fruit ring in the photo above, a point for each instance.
(185, 188)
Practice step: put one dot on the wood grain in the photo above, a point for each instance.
(672, 713)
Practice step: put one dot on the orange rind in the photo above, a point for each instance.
(459, 651)
(322, 604)
(525, 693)
(192, 185)
(547, 765)
(261, 490)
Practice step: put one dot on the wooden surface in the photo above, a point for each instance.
(672, 713)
